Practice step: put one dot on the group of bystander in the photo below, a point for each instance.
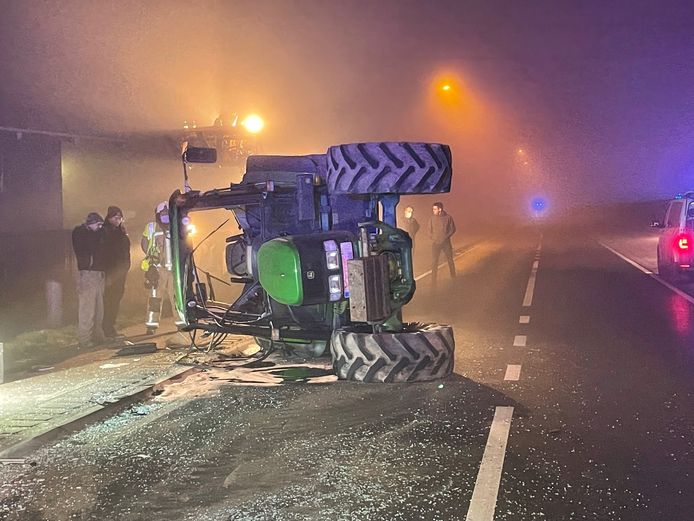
(440, 229)
(102, 249)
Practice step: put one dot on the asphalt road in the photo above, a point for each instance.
(599, 388)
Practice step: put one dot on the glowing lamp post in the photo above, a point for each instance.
(253, 123)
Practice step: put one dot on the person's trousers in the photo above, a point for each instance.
(113, 294)
(436, 250)
(90, 295)
(165, 286)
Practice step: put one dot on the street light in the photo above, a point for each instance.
(253, 123)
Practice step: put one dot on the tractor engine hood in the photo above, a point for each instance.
(299, 270)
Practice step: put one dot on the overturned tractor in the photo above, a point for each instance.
(320, 259)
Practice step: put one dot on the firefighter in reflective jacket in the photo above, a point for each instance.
(157, 265)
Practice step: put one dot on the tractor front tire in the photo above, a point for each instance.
(389, 168)
(419, 354)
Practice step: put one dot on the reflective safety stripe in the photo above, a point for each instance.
(152, 233)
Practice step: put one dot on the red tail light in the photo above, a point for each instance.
(683, 242)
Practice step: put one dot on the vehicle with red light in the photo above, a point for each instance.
(676, 242)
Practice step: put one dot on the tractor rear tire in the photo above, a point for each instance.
(389, 168)
(421, 354)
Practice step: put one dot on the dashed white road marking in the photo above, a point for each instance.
(512, 373)
(484, 495)
(648, 272)
(483, 502)
(530, 289)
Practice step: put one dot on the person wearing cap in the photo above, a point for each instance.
(88, 245)
(117, 257)
(157, 265)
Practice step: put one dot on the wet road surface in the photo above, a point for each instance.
(598, 367)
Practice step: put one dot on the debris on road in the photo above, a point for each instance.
(13, 461)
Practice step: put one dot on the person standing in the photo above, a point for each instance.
(117, 258)
(87, 243)
(157, 265)
(410, 224)
(441, 229)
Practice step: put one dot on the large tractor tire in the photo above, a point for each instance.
(416, 355)
(389, 168)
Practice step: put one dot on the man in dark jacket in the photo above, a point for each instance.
(87, 242)
(117, 256)
(441, 228)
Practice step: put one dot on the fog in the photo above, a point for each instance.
(597, 94)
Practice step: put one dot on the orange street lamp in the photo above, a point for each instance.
(253, 123)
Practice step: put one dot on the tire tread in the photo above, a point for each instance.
(408, 356)
(393, 167)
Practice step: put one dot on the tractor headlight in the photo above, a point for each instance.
(334, 287)
(332, 255)
(332, 259)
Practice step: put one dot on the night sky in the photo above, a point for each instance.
(597, 94)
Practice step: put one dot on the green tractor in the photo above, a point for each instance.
(319, 258)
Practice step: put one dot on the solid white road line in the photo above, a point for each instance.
(524, 319)
(520, 341)
(536, 264)
(689, 298)
(468, 250)
(486, 488)
(627, 259)
(512, 373)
